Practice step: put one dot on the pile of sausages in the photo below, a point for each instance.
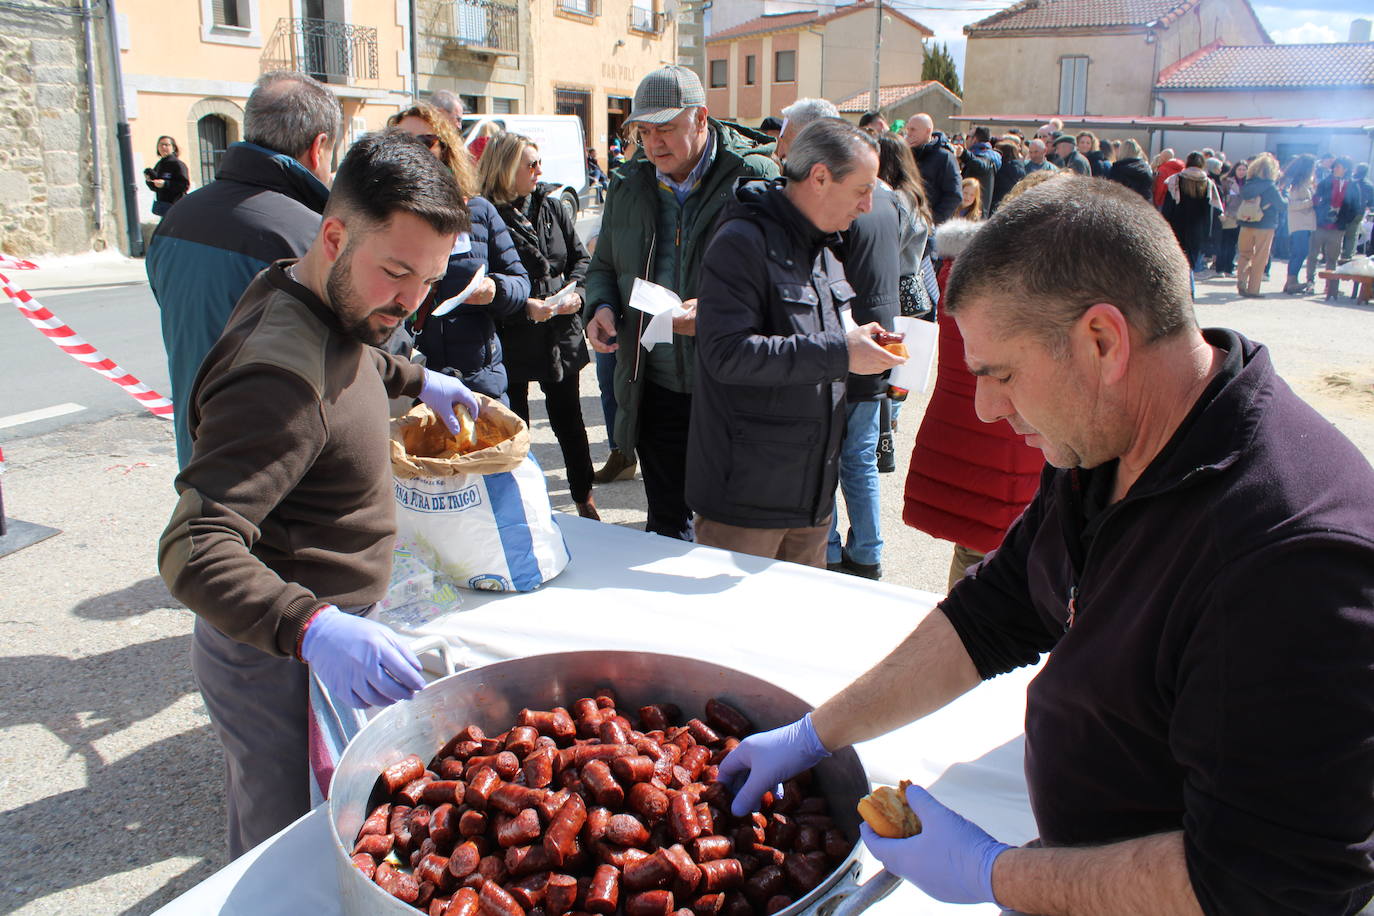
(578, 811)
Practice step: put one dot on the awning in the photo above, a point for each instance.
(1257, 125)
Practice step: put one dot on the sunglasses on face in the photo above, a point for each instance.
(532, 166)
(430, 139)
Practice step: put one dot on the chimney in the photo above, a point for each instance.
(1359, 30)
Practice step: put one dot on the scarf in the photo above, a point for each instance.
(1213, 196)
(525, 237)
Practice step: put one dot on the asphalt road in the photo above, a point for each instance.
(120, 321)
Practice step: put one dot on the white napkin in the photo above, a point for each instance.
(449, 305)
(921, 339)
(660, 302)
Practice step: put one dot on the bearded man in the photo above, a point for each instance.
(282, 537)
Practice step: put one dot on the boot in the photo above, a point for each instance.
(588, 509)
(618, 466)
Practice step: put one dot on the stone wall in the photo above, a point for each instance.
(47, 202)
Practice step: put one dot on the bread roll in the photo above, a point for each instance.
(886, 811)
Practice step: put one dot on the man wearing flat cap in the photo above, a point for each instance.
(659, 213)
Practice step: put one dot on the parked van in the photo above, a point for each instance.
(562, 148)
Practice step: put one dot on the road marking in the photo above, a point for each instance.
(32, 416)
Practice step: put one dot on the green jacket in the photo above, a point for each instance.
(624, 250)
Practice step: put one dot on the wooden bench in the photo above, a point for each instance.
(1362, 289)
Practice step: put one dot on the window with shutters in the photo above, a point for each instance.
(503, 106)
(230, 22)
(784, 66)
(1073, 85)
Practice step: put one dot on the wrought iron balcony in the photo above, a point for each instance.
(332, 52)
(454, 27)
(647, 20)
(580, 7)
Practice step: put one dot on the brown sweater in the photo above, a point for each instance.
(286, 503)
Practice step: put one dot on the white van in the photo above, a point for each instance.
(562, 148)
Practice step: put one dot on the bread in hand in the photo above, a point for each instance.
(886, 811)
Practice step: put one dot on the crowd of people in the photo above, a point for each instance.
(1141, 499)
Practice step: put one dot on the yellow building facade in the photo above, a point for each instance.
(189, 67)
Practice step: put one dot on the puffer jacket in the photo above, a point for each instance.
(1135, 174)
(768, 412)
(968, 480)
(464, 342)
(629, 234)
(547, 351)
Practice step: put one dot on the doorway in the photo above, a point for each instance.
(213, 132)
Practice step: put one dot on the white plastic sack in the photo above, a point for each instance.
(483, 518)
(493, 532)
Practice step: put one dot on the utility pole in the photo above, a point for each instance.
(877, 55)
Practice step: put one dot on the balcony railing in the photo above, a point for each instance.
(455, 27)
(580, 7)
(332, 52)
(647, 20)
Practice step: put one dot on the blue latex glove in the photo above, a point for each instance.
(763, 761)
(360, 661)
(441, 392)
(950, 859)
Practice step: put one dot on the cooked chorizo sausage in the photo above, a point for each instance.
(406, 770)
(596, 775)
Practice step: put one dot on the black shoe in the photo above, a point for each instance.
(862, 570)
(837, 566)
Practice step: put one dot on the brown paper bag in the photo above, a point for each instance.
(422, 446)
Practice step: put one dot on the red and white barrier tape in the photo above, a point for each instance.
(66, 340)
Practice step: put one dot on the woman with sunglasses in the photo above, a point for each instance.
(463, 342)
(545, 343)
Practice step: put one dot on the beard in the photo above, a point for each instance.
(352, 313)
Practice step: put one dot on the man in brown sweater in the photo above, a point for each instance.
(282, 536)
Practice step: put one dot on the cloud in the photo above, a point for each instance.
(1307, 33)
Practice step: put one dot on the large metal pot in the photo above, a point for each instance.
(490, 696)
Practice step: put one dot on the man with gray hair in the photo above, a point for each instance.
(264, 205)
(938, 165)
(1037, 152)
(868, 249)
(768, 413)
(660, 210)
(450, 105)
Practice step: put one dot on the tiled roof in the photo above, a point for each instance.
(766, 24)
(783, 21)
(1069, 14)
(1274, 67)
(887, 95)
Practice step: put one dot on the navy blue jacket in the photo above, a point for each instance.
(261, 207)
(940, 171)
(768, 407)
(464, 342)
(1209, 640)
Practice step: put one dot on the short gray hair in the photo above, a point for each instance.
(829, 142)
(288, 110)
(803, 111)
(447, 102)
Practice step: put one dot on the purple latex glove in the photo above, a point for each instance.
(360, 661)
(763, 761)
(950, 859)
(441, 392)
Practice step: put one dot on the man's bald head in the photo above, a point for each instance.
(919, 128)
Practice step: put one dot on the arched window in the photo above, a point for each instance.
(213, 133)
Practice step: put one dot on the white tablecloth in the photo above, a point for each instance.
(809, 631)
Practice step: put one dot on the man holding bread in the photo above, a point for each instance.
(1197, 566)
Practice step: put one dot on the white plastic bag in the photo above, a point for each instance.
(483, 519)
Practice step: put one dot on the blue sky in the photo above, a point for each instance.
(1288, 22)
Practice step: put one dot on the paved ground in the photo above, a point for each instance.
(109, 778)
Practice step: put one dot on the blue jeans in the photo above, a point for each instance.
(605, 380)
(1297, 251)
(859, 483)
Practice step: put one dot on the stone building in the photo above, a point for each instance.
(898, 103)
(59, 191)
